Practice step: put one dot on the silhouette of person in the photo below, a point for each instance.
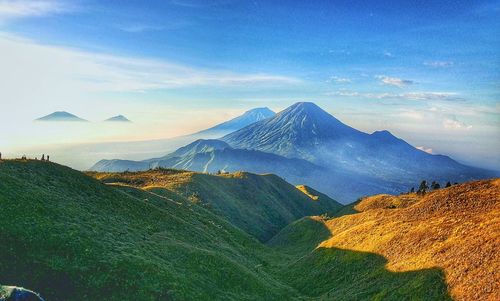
(43, 157)
(0, 156)
(48, 157)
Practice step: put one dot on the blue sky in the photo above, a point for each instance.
(429, 71)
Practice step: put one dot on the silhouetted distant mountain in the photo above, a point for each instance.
(118, 118)
(237, 123)
(82, 156)
(334, 158)
(60, 116)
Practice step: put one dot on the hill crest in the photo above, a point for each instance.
(261, 205)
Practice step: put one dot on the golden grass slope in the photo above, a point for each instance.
(455, 229)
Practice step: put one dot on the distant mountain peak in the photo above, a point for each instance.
(307, 108)
(305, 105)
(60, 116)
(247, 118)
(293, 132)
(118, 118)
(263, 110)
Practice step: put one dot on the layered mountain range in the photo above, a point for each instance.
(305, 144)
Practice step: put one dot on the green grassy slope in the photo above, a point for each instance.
(70, 237)
(261, 205)
(337, 274)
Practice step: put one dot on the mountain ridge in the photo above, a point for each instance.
(330, 156)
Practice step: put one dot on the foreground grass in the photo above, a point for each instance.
(70, 237)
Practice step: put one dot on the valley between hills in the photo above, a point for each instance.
(166, 234)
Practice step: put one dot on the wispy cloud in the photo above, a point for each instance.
(420, 96)
(438, 64)
(424, 149)
(453, 123)
(388, 54)
(427, 96)
(137, 28)
(147, 27)
(436, 118)
(339, 80)
(394, 81)
(200, 3)
(412, 114)
(30, 8)
(101, 72)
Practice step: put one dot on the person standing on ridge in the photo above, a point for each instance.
(48, 158)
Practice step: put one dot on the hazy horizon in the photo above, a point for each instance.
(429, 75)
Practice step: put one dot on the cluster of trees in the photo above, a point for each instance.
(424, 187)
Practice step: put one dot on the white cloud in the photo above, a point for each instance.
(454, 124)
(388, 54)
(418, 95)
(137, 28)
(424, 149)
(340, 80)
(412, 114)
(426, 96)
(438, 64)
(200, 3)
(394, 81)
(101, 72)
(29, 8)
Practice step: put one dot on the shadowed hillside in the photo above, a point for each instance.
(259, 204)
(454, 230)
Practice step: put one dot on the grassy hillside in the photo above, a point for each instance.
(69, 237)
(261, 205)
(152, 236)
(403, 246)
